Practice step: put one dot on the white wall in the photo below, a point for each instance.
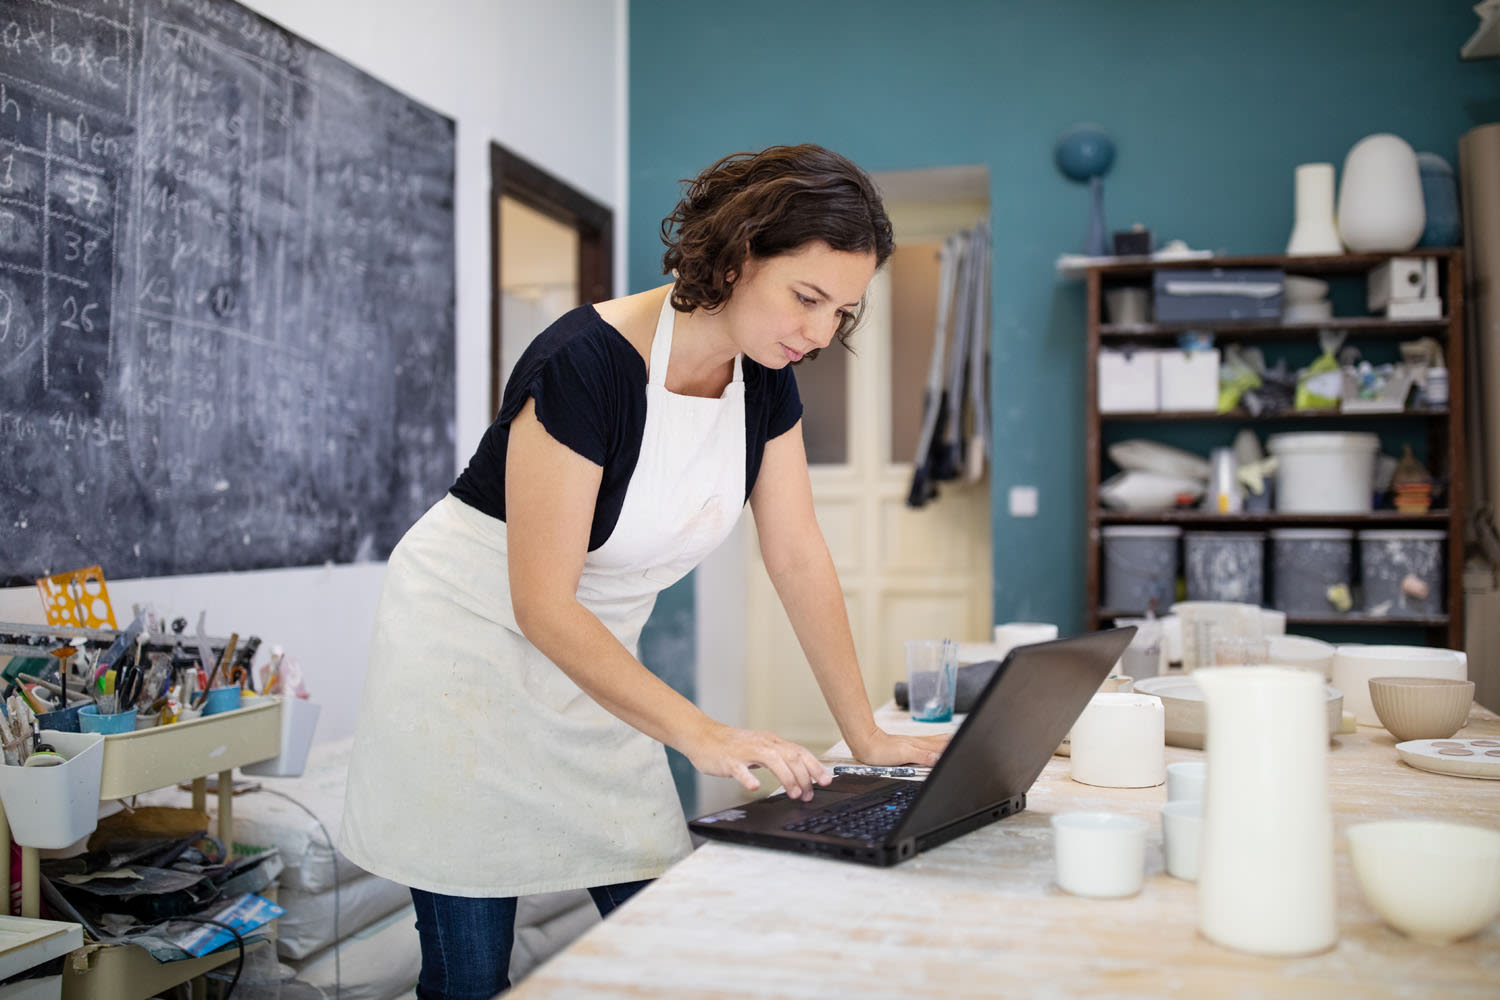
(547, 81)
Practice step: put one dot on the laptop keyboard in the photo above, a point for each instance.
(865, 817)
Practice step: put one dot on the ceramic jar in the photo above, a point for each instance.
(1380, 200)
(1440, 199)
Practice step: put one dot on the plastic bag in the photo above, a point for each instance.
(1319, 384)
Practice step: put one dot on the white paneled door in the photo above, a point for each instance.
(906, 573)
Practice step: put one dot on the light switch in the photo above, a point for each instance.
(1023, 501)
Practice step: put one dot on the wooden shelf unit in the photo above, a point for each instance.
(1445, 435)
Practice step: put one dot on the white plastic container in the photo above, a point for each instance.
(1324, 473)
(299, 720)
(53, 807)
(1189, 380)
(1129, 381)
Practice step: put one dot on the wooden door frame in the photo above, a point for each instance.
(515, 177)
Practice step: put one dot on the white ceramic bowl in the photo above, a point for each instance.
(1353, 666)
(1299, 288)
(1187, 718)
(1301, 652)
(1434, 881)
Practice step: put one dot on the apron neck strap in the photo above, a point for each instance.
(661, 347)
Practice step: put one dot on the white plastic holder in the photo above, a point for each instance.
(299, 721)
(53, 807)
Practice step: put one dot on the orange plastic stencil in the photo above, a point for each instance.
(77, 598)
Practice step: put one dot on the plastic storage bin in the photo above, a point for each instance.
(54, 807)
(1324, 473)
(1129, 381)
(1402, 572)
(299, 720)
(1305, 563)
(1140, 567)
(1225, 565)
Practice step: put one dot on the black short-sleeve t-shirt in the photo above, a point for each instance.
(589, 384)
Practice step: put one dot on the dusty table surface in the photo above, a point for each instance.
(981, 916)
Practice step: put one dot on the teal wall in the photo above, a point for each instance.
(1211, 103)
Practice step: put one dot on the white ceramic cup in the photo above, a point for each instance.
(1118, 742)
(1099, 854)
(1185, 780)
(1181, 834)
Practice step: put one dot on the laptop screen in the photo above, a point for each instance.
(1016, 724)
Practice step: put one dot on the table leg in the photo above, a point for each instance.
(200, 794)
(226, 809)
(31, 882)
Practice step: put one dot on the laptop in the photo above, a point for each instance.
(1012, 730)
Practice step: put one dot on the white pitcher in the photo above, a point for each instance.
(1265, 883)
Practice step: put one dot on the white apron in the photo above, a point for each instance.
(479, 768)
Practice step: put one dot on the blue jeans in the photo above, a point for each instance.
(466, 942)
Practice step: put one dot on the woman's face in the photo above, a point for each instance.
(792, 303)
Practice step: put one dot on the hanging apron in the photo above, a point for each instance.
(478, 767)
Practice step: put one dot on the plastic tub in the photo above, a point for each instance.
(1140, 566)
(1225, 565)
(53, 807)
(1401, 570)
(299, 720)
(1324, 473)
(1305, 563)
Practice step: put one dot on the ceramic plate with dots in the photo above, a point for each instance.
(1466, 758)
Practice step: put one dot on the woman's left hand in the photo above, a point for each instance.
(889, 749)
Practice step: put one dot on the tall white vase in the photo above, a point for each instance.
(1265, 880)
(1380, 202)
(1314, 231)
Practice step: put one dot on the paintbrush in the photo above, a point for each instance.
(222, 663)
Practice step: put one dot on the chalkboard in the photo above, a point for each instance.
(226, 295)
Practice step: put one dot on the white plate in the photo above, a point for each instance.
(1481, 761)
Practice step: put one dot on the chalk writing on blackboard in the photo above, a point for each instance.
(226, 295)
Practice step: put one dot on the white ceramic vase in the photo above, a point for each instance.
(1314, 231)
(1380, 201)
(1265, 878)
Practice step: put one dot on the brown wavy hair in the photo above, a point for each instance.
(765, 204)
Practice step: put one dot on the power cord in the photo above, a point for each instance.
(334, 854)
(239, 940)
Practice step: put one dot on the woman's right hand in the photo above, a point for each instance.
(726, 752)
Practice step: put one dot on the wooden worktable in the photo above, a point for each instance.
(981, 915)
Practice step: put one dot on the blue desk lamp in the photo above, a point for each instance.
(1085, 153)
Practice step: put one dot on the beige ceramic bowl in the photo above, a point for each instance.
(1434, 881)
(1187, 716)
(1421, 708)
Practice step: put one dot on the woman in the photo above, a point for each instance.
(510, 742)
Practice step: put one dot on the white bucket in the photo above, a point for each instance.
(1324, 473)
